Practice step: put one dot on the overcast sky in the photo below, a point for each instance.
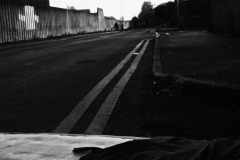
(130, 8)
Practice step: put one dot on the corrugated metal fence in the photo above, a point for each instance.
(20, 21)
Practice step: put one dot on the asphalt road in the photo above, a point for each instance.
(42, 83)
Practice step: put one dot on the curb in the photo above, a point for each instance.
(56, 39)
(167, 29)
(228, 92)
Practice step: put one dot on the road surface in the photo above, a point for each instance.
(80, 86)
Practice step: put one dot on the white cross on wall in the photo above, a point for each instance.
(30, 18)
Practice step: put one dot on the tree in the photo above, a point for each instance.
(135, 22)
(116, 27)
(71, 8)
(146, 11)
(134, 18)
(167, 12)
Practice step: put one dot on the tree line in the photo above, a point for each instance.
(164, 15)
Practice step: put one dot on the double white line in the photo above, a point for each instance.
(101, 118)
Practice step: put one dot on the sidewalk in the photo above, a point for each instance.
(179, 101)
(51, 146)
(200, 61)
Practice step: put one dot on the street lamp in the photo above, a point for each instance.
(122, 16)
(57, 3)
(67, 20)
(121, 8)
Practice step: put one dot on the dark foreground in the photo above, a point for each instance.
(39, 90)
(195, 109)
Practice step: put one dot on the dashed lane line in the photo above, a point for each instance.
(98, 123)
(67, 124)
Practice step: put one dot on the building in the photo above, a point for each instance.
(33, 2)
(193, 13)
(226, 16)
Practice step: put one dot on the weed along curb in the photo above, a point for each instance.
(221, 92)
(157, 67)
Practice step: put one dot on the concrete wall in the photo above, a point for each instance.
(109, 23)
(126, 24)
(226, 16)
(24, 22)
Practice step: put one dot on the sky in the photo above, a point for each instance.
(115, 8)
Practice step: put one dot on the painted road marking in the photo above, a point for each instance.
(98, 123)
(67, 124)
(153, 30)
(86, 39)
(104, 36)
